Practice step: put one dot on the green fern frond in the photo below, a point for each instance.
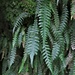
(55, 12)
(12, 56)
(44, 20)
(60, 40)
(63, 60)
(15, 37)
(20, 37)
(14, 44)
(47, 56)
(56, 18)
(56, 33)
(19, 20)
(32, 42)
(38, 2)
(64, 19)
(55, 50)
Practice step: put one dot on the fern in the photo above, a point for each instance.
(45, 40)
(67, 39)
(32, 42)
(56, 16)
(15, 38)
(55, 51)
(64, 19)
(12, 56)
(46, 56)
(20, 37)
(44, 20)
(19, 20)
(13, 51)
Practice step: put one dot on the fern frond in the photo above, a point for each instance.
(47, 56)
(55, 12)
(64, 19)
(12, 56)
(55, 50)
(20, 37)
(13, 50)
(63, 60)
(15, 37)
(19, 20)
(60, 40)
(44, 20)
(32, 42)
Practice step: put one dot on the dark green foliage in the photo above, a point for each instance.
(13, 8)
(40, 39)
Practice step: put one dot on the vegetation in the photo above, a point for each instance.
(37, 37)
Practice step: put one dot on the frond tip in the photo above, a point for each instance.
(47, 55)
(12, 56)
